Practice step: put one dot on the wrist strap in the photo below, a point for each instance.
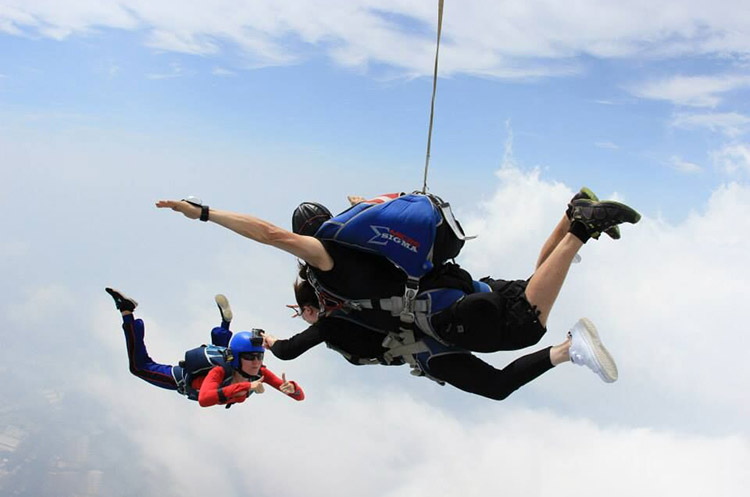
(198, 203)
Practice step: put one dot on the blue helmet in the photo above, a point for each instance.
(244, 342)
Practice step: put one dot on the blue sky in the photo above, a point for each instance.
(591, 124)
(106, 107)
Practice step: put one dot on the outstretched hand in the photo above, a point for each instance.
(287, 386)
(268, 340)
(190, 211)
(257, 385)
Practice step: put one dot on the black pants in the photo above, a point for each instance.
(471, 374)
(491, 321)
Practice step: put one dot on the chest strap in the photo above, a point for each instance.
(405, 307)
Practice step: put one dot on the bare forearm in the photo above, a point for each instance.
(248, 226)
(306, 248)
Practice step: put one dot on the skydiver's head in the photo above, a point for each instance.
(308, 217)
(246, 353)
(307, 299)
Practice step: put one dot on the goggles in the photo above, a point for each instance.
(252, 356)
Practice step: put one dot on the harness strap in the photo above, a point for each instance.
(356, 359)
(445, 209)
(404, 307)
(403, 345)
(178, 373)
(410, 295)
(329, 302)
(393, 304)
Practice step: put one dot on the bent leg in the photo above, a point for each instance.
(502, 319)
(562, 228)
(544, 286)
(471, 374)
(141, 365)
(220, 336)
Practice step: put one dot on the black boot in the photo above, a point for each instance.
(122, 302)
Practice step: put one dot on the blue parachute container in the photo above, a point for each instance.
(402, 230)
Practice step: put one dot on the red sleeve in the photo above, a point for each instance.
(271, 379)
(212, 393)
(381, 199)
(208, 395)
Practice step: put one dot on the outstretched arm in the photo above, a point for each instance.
(307, 248)
(295, 346)
(290, 388)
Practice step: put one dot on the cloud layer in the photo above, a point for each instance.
(664, 298)
(505, 39)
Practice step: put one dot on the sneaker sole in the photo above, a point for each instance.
(633, 215)
(224, 309)
(605, 362)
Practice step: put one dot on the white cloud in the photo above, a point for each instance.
(683, 166)
(388, 444)
(41, 303)
(113, 70)
(693, 91)
(508, 39)
(647, 293)
(220, 71)
(731, 124)
(607, 145)
(664, 298)
(190, 43)
(175, 71)
(13, 249)
(733, 158)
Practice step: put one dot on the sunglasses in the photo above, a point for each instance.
(252, 356)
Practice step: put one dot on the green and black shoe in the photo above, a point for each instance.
(122, 302)
(598, 217)
(586, 193)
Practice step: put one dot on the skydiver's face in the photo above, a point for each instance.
(309, 314)
(251, 363)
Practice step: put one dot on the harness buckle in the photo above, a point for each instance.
(390, 341)
(410, 295)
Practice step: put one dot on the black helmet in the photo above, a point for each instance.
(308, 216)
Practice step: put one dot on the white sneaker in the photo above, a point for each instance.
(586, 349)
(224, 309)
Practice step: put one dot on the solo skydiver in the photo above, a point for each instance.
(226, 372)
